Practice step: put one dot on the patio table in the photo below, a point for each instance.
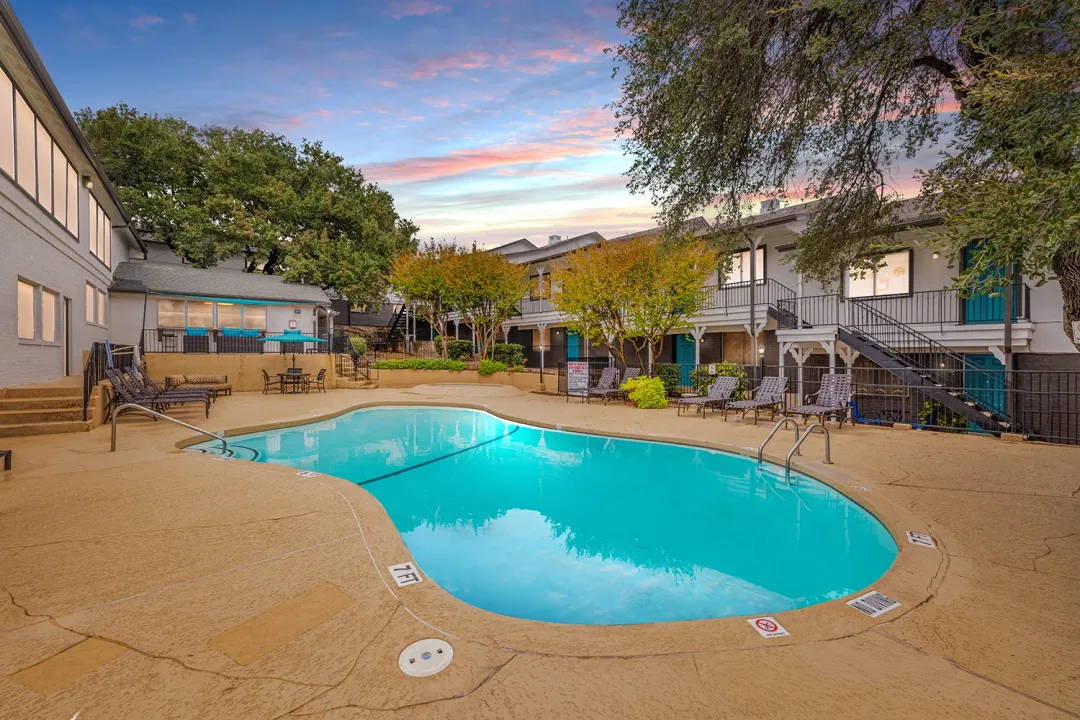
(296, 381)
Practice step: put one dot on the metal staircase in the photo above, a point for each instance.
(939, 373)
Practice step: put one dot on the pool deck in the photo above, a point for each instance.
(153, 583)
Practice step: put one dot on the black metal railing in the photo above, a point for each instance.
(737, 295)
(173, 340)
(355, 367)
(811, 311)
(97, 362)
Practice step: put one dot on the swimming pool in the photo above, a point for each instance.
(571, 528)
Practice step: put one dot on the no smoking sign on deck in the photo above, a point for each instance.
(767, 627)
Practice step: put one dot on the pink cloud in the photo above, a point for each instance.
(389, 83)
(413, 8)
(602, 12)
(144, 20)
(190, 18)
(451, 64)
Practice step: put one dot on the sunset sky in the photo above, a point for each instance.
(486, 119)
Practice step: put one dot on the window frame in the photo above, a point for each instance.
(52, 321)
(16, 93)
(34, 311)
(764, 267)
(910, 252)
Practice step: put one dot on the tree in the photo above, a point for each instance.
(485, 289)
(727, 100)
(636, 291)
(423, 281)
(215, 192)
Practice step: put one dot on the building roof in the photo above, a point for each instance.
(554, 250)
(514, 246)
(173, 279)
(37, 67)
(697, 226)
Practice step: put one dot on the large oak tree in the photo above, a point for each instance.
(726, 101)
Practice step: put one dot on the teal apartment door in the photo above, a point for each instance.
(984, 308)
(572, 345)
(984, 381)
(684, 356)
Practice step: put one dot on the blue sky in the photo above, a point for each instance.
(485, 118)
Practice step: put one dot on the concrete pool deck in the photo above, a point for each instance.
(155, 583)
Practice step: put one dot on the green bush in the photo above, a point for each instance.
(490, 367)
(646, 393)
(359, 345)
(516, 368)
(703, 379)
(509, 353)
(669, 374)
(419, 364)
(936, 415)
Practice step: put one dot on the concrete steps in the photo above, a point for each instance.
(41, 410)
(19, 417)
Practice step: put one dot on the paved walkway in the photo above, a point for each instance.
(150, 583)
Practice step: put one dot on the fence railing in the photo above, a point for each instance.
(1044, 405)
(169, 340)
(97, 362)
(355, 367)
(737, 295)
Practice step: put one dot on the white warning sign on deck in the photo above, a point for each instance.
(577, 378)
(309, 473)
(767, 627)
(405, 574)
(923, 539)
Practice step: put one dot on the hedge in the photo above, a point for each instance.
(419, 364)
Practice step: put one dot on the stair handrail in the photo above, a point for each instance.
(795, 448)
(155, 413)
(782, 422)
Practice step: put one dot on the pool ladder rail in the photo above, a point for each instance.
(155, 413)
(798, 441)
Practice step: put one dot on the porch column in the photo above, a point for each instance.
(830, 347)
(697, 333)
(506, 333)
(754, 242)
(540, 290)
(457, 326)
(543, 328)
(800, 354)
(848, 354)
(798, 301)
(784, 348)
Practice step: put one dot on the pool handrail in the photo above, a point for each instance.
(794, 449)
(155, 413)
(781, 423)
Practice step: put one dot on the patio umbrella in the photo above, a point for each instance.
(291, 337)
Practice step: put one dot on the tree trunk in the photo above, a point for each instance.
(1067, 268)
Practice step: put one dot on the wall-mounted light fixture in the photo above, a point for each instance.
(936, 254)
(87, 182)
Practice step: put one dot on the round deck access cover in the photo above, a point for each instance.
(425, 657)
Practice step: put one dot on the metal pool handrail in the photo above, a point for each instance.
(809, 431)
(155, 413)
(782, 423)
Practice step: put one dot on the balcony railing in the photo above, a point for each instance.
(177, 340)
(737, 295)
(531, 306)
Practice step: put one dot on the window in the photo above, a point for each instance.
(72, 223)
(48, 316)
(25, 149)
(59, 173)
(255, 317)
(44, 168)
(740, 266)
(170, 314)
(90, 290)
(200, 314)
(7, 126)
(229, 315)
(892, 277)
(101, 307)
(534, 287)
(100, 233)
(27, 321)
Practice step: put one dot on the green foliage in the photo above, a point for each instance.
(419, 364)
(516, 368)
(936, 415)
(646, 393)
(215, 192)
(509, 353)
(422, 281)
(726, 101)
(670, 376)
(490, 367)
(485, 289)
(703, 379)
(455, 349)
(359, 345)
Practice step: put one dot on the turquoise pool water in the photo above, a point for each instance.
(571, 528)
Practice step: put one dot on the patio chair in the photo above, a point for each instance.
(269, 382)
(831, 399)
(617, 393)
(318, 382)
(607, 383)
(130, 390)
(769, 395)
(719, 396)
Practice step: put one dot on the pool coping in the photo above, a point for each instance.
(913, 577)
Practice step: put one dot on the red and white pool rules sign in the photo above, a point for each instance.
(767, 627)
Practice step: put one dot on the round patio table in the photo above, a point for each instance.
(295, 381)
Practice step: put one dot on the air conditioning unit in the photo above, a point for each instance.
(770, 205)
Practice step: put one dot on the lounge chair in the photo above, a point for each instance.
(719, 396)
(617, 393)
(831, 399)
(139, 392)
(769, 395)
(269, 382)
(609, 377)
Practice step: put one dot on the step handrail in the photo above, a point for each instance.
(795, 447)
(155, 413)
(776, 427)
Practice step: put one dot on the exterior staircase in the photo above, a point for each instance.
(41, 410)
(920, 362)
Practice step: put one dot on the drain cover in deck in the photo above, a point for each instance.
(425, 657)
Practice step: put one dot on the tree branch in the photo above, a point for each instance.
(947, 70)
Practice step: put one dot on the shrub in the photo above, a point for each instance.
(936, 415)
(509, 353)
(359, 345)
(703, 379)
(456, 349)
(646, 392)
(490, 367)
(669, 374)
(419, 364)
(516, 368)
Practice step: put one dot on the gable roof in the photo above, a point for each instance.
(173, 279)
(514, 246)
(554, 250)
(697, 225)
